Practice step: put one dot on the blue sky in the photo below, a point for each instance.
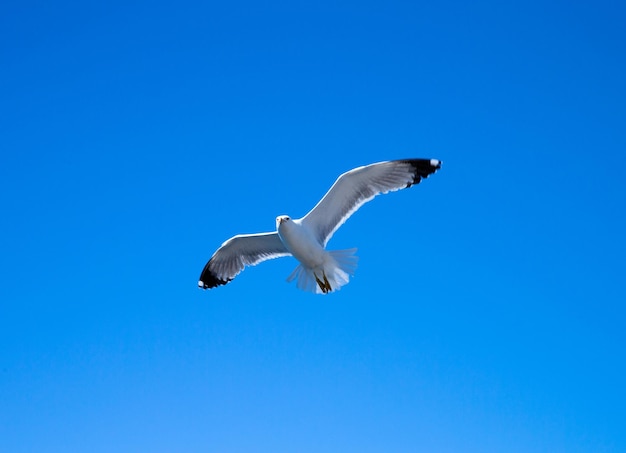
(487, 313)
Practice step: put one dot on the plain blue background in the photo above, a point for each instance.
(487, 313)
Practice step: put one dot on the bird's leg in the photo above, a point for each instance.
(320, 283)
(328, 288)
(324, 285)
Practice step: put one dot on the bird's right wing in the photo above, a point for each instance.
(356, 187)
(238, 252)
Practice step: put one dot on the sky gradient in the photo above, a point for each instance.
(486, 314)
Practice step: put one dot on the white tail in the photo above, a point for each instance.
(338, 266)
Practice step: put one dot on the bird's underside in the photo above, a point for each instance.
(319, 270)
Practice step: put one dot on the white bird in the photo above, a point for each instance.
(320, 270)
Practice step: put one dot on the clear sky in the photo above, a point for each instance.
(487, 313)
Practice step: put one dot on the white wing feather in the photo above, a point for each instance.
(358, 186)
(238, 252)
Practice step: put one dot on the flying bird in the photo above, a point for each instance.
(320, 271)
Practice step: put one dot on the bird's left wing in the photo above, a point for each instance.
(356, 187)
(238, 252)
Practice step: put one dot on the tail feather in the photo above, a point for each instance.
(331, 276)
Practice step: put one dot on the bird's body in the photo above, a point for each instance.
(305, 239)
(300, 242)
(319, 270)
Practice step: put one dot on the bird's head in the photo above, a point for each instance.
(281, 219)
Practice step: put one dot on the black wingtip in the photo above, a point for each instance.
(422, 168)
(209, 280)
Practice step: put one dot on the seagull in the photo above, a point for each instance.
(320, 271)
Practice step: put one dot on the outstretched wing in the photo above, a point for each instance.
(238, 252)
(356, 187)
